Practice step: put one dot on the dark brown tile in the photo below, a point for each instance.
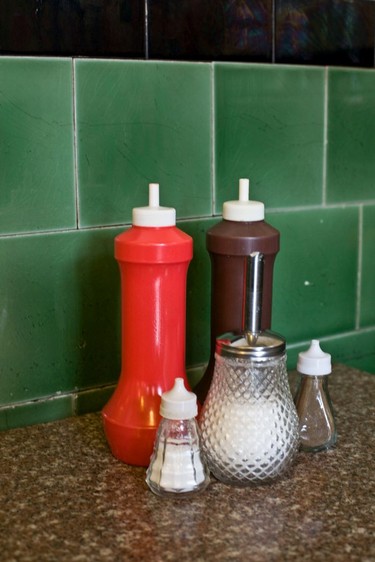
(329, 32)
(72, 27)
(211, 30)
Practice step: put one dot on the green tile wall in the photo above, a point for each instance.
(140, 123)
(351, 136)
(59, 313)
(269, 125)
(315, 273)
(80, 141)
(36, 145)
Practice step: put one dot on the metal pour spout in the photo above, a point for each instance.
(252, 342)
(253, 285)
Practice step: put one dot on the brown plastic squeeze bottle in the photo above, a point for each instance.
(241, 232)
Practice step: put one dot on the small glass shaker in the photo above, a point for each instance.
(316, 419)
(176, 465)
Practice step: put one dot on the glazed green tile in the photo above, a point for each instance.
(198, 295)
(368, 268)
(36, 145)
(141, 122)
(40, 411)
(92, 400)
(269, 128)
(351, 135)
(59, 315)
(355, 349)
(315, 275)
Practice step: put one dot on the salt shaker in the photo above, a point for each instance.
(316, 419)
(177, 466)
(248, 422)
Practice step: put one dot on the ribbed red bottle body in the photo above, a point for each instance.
(153, 264)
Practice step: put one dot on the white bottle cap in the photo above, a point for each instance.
(178, 403)
(243, 209)
(314, 361)
(154, 215)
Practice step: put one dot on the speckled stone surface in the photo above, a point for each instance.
(64, 497)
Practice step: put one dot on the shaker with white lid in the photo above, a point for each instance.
(316, 419)
(176, 465)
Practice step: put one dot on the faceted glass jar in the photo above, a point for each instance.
(249, 423)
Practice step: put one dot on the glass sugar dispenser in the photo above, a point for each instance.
(249, 423)
(314, 407)
(177, 467)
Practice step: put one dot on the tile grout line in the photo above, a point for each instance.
(213, 144)
(325, 139)
(359, 270)
(276, 210)
(75, 143)
(76, 393)
(273, 47)
(297, 208)
(146, 36)
(333, 337)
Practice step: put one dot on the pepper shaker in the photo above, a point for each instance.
(316, 419)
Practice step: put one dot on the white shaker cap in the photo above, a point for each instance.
(314, 361)
(178, 403)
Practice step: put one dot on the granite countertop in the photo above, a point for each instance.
(64, 497)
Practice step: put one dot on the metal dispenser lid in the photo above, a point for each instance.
(266, 344)
(252, 342)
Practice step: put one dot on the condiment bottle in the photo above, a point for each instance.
(153, 256)
(316, 419)
(241, 232)
(249, 423)
(176, 465)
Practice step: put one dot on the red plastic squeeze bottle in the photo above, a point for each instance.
(154, 257)
(241, 232)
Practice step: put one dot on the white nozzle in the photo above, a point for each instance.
(314, 361)
(153, 195)
(154, 215)
(178, 403)
(243, 210)
(244, 189)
